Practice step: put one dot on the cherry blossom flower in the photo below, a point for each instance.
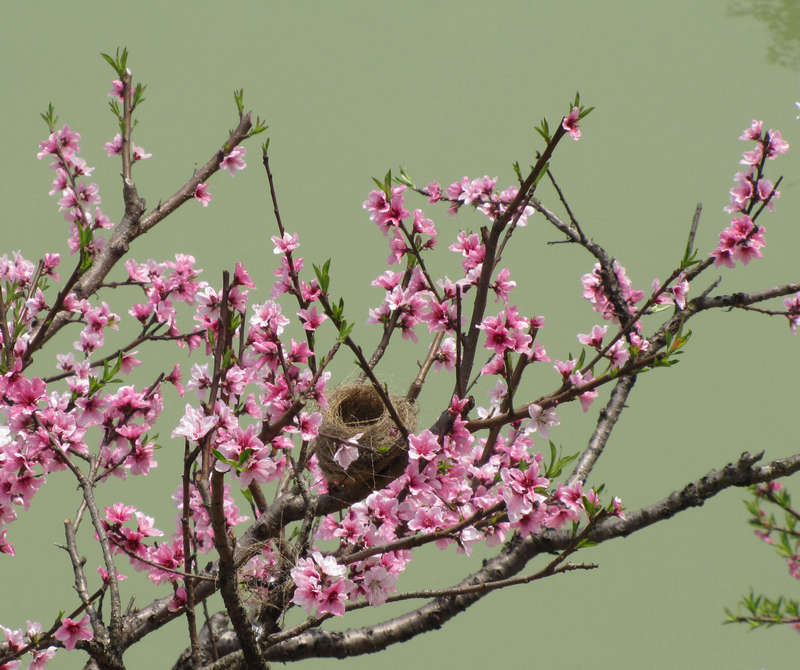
(70, 632)
(595, 338)
(117, 88)
(347, 451)
(114, 146)
(194, 424)
(570, 124)
(202, 195)
(234, 160)
(310, 318)
(543, 419)
(378, 582)
(425, 445)
(285, 244)
(680, 290)
(140, 154)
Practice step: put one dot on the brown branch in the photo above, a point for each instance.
(490, 242)
(608, 418)
(515, 555)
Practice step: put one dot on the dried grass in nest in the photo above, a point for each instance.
(357, 408)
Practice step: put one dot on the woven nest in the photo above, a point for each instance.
(382, 451)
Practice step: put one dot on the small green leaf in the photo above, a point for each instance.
(238, 98)
(49, 117)
(405, 179)
(323, 275)
(138, 94)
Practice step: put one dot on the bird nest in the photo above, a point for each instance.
(382, 450)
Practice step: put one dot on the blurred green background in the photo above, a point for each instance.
(351, 89)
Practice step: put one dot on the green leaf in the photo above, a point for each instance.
(243, 458)
(323, 275)
(238, 98)
(138, 94)
(49, 117)
(405, 179)
(119, 61)
(345, 330)
(544, 130)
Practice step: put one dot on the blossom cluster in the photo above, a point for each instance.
(744, 239)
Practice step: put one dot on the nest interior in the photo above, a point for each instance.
(358, 408)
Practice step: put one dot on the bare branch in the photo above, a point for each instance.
(608, 418)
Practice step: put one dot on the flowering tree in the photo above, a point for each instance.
(342, 484)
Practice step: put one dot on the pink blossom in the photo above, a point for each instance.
(234, 161)
(106, 577)
(434, 191)
(202, 195)
(753, 132)
(309, 425)
(618, 354)
(194, 424)
(140, 154)
(423, 225)
(141, 460)
(310, 318)
(570, 124)
(680, 290)
(332, 599)
(117, 89)
(503, 285)
(119, 513)
(792, 304)
(345, 455)
(766, 189)
(347, 451)
(5, 546)
(753, 157)
(587, 397)
(426, 520)
(446, 356)
(70, 632)
(41, 657)
(114, 146)
(595, 339)
(377, 583)
(468, 538)
(178, 601)
(565, 368)
(425, 445)
(285, 244)
(543, 419)
(777, 145)
(307, 584)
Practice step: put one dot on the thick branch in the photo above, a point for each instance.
(605, 424)
(515, 555)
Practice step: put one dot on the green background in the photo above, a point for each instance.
(351, 89)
